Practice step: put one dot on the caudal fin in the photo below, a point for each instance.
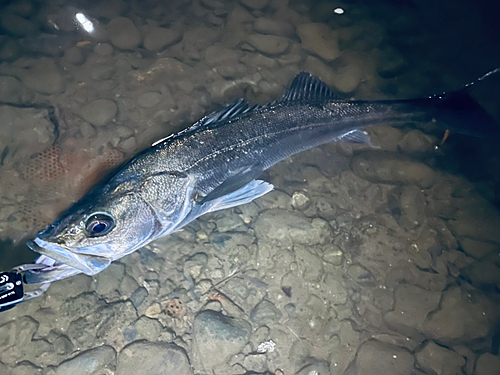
(462, 114)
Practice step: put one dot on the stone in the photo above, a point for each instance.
(108, 281)
(229, 222)
(391, 63)
(11, 90)
(195, 41)
(333, 255)
(482, 273)
(103, 49)
(255, 4)
(265, 312)
(9, 49)
(217, 337)
(412, 204)
(88, 362)
(155, 359)
(415, 142)
(439, 360)
(269, 44)
(337, 294)
(44, 77)
(310, 264)
(143, 329)
(413, 305)
(255, 362)
(300, 201)
(287, 228)
(123, 33)
(25, 368)
(138, 297)
(319, 39)
(461, 317)
(475, 248)
(16, 25)
(274, 27)
(389, 169)
(74, 55)
(99, 112)
(375, 357)
(158, 38)
(149, 99)
(314, 368)
(477, 219)
(487, 364)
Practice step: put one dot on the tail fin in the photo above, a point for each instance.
(461, 113)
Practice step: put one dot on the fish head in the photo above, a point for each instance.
(97, 230)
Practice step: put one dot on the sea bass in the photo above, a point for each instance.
(215, 164)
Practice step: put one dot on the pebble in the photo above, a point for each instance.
(255, 4)
(74, 55)
(333, 255)
(11, 90)
(159, 37)
(319, 39)
(155, 359)
(217, 337)
(274, 27)
(27, 368)
(103, 49)
(44, 77)
(314, 368)
(88, 362)
(269, 44)
(255, 362)
(265, 312)
(375, 357)
(217, 54)
(123, 33)
(99, 112)
(439, 360)
(149, 99)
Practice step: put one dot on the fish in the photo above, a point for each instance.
(215, 164)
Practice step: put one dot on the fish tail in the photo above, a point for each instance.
(459, 112)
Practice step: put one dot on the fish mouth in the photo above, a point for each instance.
(88, 264)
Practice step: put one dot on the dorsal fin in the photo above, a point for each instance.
(308, 87)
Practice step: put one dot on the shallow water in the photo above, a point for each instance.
(362, 261)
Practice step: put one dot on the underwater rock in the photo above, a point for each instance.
(26, 368)
(273, 27)
(74, 55)
(375, 357)
(475, 248)
(255, 4)
(44, 76)
(11, 90)
(146, 358)
(88, 362)
(16, 25)
(265, 312)
(487, 364)
(99, 112)
(269, 44)
(390, 169)
(412, 306)
(439, 360)
(319, 39)
(123, 33)
(159, 37)
(216, 338)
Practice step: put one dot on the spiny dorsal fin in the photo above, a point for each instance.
(308, 87)
(229, 112)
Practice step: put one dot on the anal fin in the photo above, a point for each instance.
(356, 136)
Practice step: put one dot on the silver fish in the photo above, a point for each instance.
(214, 165)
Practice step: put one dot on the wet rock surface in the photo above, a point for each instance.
(361, 261)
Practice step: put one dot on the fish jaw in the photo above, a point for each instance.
(88, 264)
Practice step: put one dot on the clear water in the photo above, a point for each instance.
(382, 261)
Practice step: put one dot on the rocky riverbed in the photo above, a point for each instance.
(362, 261)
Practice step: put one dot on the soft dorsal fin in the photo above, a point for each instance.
(308, 87)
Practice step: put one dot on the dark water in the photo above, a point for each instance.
(362, 261)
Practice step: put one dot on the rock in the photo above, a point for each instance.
(412, 204)
(255, 362)
(487, 364)
(270, 44)
(274, 27)
(9, 49)
(217, 337)
(275, 199)
(415, 142)
(333, 254)
(360, 274)
(217, 54)
(381, 167)
(196, 41)
(88, 362)
(139, 296)
(265, 312)
(143, 329)
(155, 359)
(229, 222)
(413, 305)
(123, 33)
(287, 228)
(99, 112)
(336, 291)
(310, 264)
(478, 219)
(439, 360)
(158, 38)
(300, 201)
(315, 368)
(255, 4)
(461, 317)
(74, 55)
(149, 99)
(194, 265)
(391, 63)
(103, 49)
(11, 90)
(45, 77)
(482, 273)
(375, 357)
(319, 39)
(16, 25)
(25, 368)
(108, 281)
(475, 248)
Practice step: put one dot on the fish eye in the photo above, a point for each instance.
(99, 224)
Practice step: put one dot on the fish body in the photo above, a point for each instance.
(214, 165)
